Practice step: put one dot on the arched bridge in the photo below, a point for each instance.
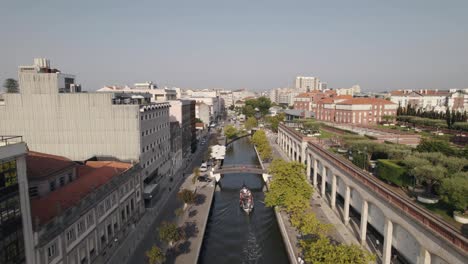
(240, 168)
(236, 138)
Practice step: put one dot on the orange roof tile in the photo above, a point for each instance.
(90, 176)
(366, 101)
(41, 165)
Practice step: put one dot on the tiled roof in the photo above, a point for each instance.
(40, 165)
(326, 101)
(345, 96)
(366, 101)
(90, 176)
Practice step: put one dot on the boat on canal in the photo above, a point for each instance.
(246, 199)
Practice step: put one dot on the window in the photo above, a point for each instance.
(90, 219)
(70, 177)
(8, 173)
(62, 181)
(71, 235)
(33, 192)
(52, 251)
(80, 227)
(52, 185)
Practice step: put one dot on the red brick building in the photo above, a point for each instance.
(354, 110)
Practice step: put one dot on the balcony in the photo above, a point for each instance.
(9, 140)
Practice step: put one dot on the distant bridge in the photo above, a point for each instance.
(240, 168)
(236, 138)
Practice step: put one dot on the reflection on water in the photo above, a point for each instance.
(231, 235)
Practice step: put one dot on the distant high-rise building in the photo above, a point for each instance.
(307, 84)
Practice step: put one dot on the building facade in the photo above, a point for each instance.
(76, 125)
(307, 84)
(157, 94)
(361, 111)
(85, 219)
(16, 235)
(183, 111)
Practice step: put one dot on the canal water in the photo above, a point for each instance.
(232, 236)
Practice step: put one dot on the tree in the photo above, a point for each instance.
(155, 255)
(187, 196)
(11, 85)
(196, 174)
(448, 118)
(250, 123)
(289, 181)
(230, 131)
(322, 251)
(308, 224)
(428, 145)
(430, 175)
(248, 110)
(454, 191)
(170, 233)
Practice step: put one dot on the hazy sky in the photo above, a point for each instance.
(259, 45)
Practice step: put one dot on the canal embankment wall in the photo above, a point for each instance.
(203, 222)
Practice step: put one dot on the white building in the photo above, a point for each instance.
(202, 111)
(307, 84)
(157, 95)
(355, 89)
(78, 125)
(427, 100)
(183, 111)
(228, 98)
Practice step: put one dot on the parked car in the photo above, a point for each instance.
(203, 167)
(203, 179)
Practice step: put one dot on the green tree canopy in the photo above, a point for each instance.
(155, 255)
(428, 145)
(169, 232)
(230, 131)
(250, 123)
(248, 110)
(322, 251)
(11, 85)
(289, 181)
(187, 196)
(454, 190)
(275, 120)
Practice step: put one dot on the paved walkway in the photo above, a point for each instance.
(194, 220)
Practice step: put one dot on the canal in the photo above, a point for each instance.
(231, 235)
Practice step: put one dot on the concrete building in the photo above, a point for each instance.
(242, 94)
(202, 111)
(157, 95)
(228, 98)
(214, 103)
(16, 235)
(355, 89)
(432, 100)
(176, 149)
(78, 126)
(307, 84)
(183, 111)
(89, 210)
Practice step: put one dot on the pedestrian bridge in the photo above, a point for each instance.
(240, 168)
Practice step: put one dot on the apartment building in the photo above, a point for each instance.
(307, 84)
(81, 212)
(16, 235)
(202, 111)
(432, 100)
(55, 119)
(183, 111)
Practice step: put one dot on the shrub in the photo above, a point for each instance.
(389, 171)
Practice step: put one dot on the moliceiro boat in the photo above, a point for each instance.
(246, 199)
